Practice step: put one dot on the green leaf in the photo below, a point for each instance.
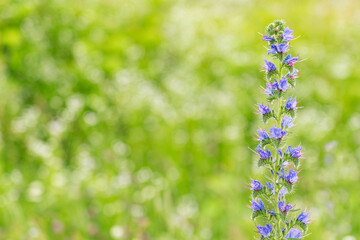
(264, 162)
(295, 161)
(302, 225)
(288, 186)
(254, 215)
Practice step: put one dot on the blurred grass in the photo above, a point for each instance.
(132, 119)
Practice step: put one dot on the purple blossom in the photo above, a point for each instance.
(257, 206)
(290, 60)
(263, 109)
(284, 208)
(282, 173)
(291, 177)
(292, 75)
(270, 186)
(287, 34)
(263, 154)
(283, 84)
(290, 104)
(273, 49)
(287, 122)
(272, 213)
(303, 217)
(263, 135)
(270, 88)
(267, 38)
(294, 152)
(294, 233)
(282, 192)
(255, 185)
(264, 231)
(280, 48)
(269, 66)
(277, 133)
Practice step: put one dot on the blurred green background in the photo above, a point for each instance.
(132, 119)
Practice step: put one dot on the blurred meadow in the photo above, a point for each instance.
(132, 119)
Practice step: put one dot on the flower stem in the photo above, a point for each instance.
(277, 188)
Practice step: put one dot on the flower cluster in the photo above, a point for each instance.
(280, 217)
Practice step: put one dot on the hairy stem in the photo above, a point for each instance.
(278, 187)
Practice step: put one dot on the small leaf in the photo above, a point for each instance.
(288, 186)
(302, 225)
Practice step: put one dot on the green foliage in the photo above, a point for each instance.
(132, 119)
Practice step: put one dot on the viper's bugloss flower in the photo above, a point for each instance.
(290, 60)
(277, 133)
(284, 207)
(272, 213)
(270, 88)
(283, 84)
(263, 154)
(287, 34)
(272, 50)
(263, 135)
(294, 152)
(282, 192)
(280, 48)
(257, 206)
(269, 66)
(270, 186)
(291, 104)
(264, 231)
(279, 223)
(263, 109)
(294, 233)
(267, 38)
(291, 177)
(287, 122)
(292, 75)
(255, 185)
(282, 173)
(303, 217)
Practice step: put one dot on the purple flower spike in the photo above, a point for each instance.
(277, 133)
(267, 38)
(264, 231)
(294, 152)
(294, 233)
(303, 218)
(263, 109)
(291, 104)
(287, 122)
(255, 185)
(284, 208)
(290, 60)
(263, 154)
(283, 84)
(287, 34)
(262, 134)
(291, 177)
(269, 66)
(257, 206)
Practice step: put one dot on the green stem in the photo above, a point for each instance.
(277, 164)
